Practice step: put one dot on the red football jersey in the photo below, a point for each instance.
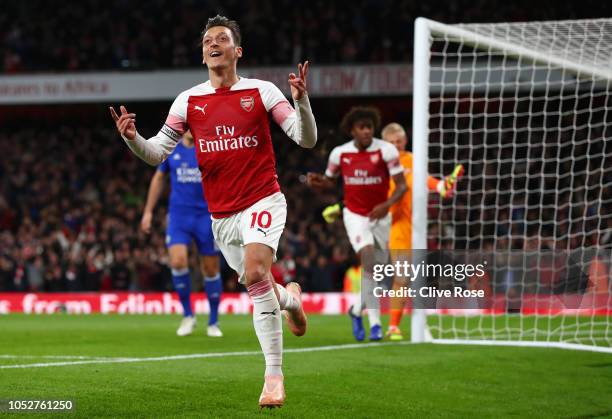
(365, 173)
(231, 130)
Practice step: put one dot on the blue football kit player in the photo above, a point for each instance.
(188, 221)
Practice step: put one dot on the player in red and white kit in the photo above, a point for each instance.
(366, 165)
(229, 119)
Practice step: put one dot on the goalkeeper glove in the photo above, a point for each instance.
(331, 213)
(450, 182)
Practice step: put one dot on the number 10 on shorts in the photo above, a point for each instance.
(261, 219)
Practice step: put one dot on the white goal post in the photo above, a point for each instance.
(527, 109)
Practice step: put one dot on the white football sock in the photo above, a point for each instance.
(286, 300)
(357, 307)
(268, 326)
(372, 303)
(373, 316)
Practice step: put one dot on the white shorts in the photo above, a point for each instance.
(363, 232)
(263, 222)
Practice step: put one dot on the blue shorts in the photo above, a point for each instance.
(184, 228)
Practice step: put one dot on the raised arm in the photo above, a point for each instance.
(299, 123)
(449, 183)
(152, 151)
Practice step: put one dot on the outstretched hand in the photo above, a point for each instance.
(316, 180)
(126, 123)
(298, 83)
(450, 182)
(331, 213)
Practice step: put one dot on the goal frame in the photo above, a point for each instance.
(423, 29)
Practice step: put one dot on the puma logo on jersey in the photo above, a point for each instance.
(264, 233)
(202, 109)
(346, 160)
(273, 312)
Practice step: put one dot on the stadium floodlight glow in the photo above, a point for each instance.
(527, 109)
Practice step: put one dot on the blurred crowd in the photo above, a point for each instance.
(71, 199)
(41, 35)
(70, 209)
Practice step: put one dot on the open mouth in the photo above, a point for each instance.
(215, 54)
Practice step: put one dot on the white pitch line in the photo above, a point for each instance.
(6, 356)
(199, 356)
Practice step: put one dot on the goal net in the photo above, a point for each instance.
(526, 108)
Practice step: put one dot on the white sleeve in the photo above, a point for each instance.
(333, 164)
(271, 95)
(299, 123)
(154, 150)
(157, 149)
(391, 157)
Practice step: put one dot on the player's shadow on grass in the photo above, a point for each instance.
(600, 365)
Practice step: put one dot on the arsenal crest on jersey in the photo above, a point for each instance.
(247, 103)
(374, 158)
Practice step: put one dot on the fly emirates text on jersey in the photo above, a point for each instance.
(225, 140)
(360, 177)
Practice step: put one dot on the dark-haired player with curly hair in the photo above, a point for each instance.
(228, 117)
(367, 165)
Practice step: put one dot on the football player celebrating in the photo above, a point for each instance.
(228, 118)
(367, 165)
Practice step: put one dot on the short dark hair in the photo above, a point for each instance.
(360, 113)
(232, 25)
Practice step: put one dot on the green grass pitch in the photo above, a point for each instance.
(388, 380)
